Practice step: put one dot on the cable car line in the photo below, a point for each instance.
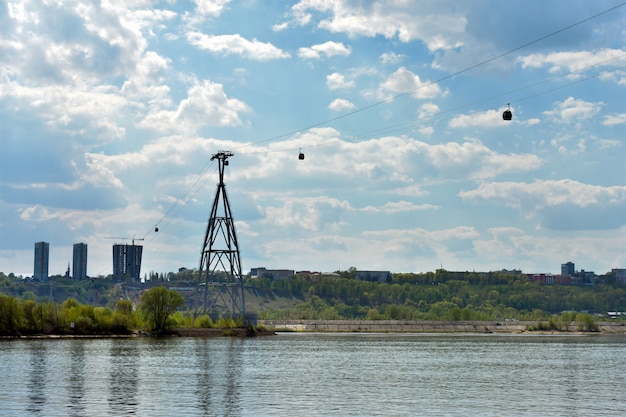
(430, 83)
(405, 126)
(410, 124)
(393, 98)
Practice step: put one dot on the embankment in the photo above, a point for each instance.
(426, 326)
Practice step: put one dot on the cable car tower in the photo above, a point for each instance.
(220, 283)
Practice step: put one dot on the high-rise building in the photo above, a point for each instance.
(568, 269)
(127, 261)
(79, 261)
(42, 256)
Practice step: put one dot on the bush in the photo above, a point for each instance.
(204, 322)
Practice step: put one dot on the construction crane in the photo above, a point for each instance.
(127, 258)
(125, 238)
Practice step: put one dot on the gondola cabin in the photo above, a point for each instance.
(507, 115)
(301, 156)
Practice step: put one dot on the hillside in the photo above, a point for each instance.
(438, 296)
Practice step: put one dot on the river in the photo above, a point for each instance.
(313, 374)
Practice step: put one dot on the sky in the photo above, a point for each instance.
(110, 113)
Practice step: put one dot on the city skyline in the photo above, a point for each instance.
(111, 111)
(127, 261)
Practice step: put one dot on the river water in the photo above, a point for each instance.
(295, 374)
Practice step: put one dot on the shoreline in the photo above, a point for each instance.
(431, 326)
(270, 327)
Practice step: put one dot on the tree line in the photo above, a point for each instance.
(157, 312)
(437, 296)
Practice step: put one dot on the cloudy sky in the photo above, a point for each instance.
(110, 112)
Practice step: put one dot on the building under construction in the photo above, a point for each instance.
(127, 262)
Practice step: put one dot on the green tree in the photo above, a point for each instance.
(157, 305)
(586, 322)
(10, 314)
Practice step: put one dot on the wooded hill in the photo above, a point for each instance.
(439, 295)
(435, 296)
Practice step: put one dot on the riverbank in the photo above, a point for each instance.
(427, 326)
(270, 327)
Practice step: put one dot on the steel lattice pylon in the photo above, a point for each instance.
(220, 276)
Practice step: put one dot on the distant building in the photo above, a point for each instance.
(374, 276)
(79, 261)
(127, 261)
(42, 257)
(568, 269)
(273, 274)
(551, 279)
(620, 275)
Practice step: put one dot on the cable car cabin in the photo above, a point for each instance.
(301, 156)
(507, 115)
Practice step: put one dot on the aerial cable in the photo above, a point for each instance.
(412, 123)
(393, 98)
(181, 198)
(507, 94)
(445, 78)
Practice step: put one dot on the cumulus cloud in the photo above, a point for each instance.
(563, 203)
(489, 118)
(206, 105)
(236, 45)
(340, 104)
(405, 20)
(393, 207)
(404, 80)
(312, 214)
(574, 110)
(327, 49)
(614, 119)
(575, 61)
(210, 7)
(336, 81)
(428, 110)
(391, 58)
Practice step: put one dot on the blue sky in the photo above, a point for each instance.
(110, 112)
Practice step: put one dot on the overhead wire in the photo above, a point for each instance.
(439, 80)
(412, 122)
(180, 206)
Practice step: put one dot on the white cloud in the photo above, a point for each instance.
(472, 159)
(574, 110)
(236, 45)
(311, 214)
(575, 61)
(548, 193)
(337, 81)
(327, 49)
(428, 110)
(391, 58)
(210, 7)
(406, 20)
(614, 119)
(489, 118)
(399, 207)
(206, 105)
(340, 104)
(403, 80)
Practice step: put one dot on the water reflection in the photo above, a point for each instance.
(203, 375)
(76, 379)
(219, 374)
(233, 377)
(123, 377)
(37, 377)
